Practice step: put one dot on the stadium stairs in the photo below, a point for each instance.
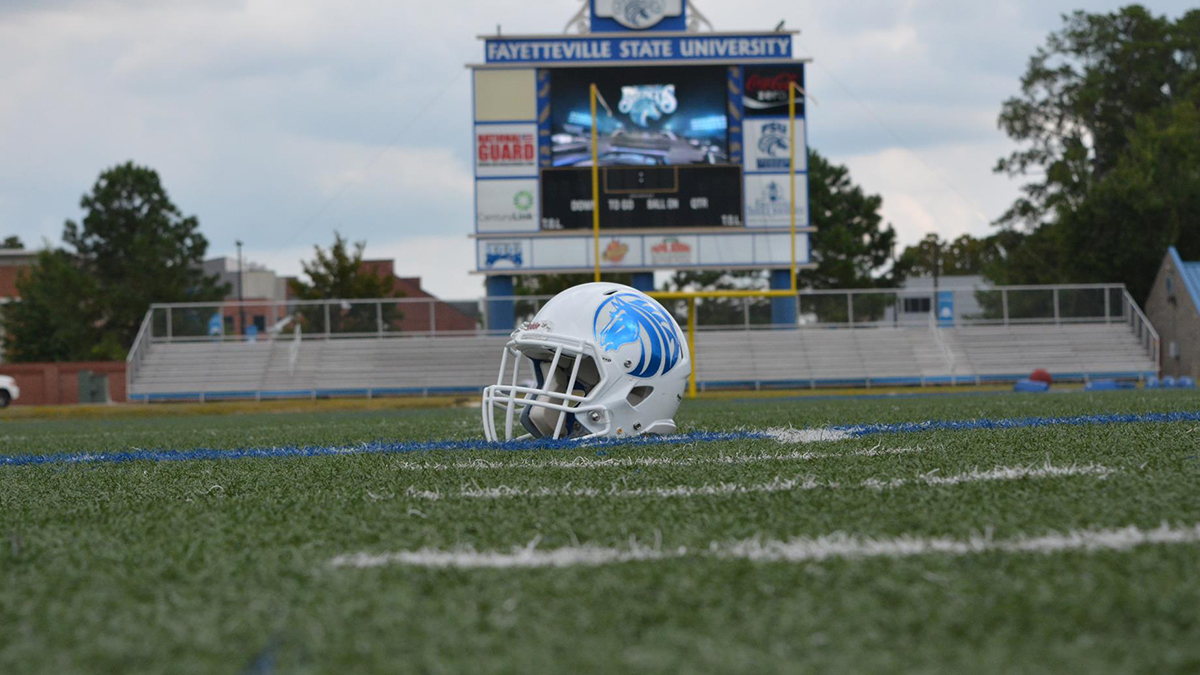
(810, 357)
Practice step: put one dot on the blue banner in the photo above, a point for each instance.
(945, 308)
(543, 117)
(735, 114)
(584, 49)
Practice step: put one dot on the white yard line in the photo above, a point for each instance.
(776, 485)
(844, 546)
(800, 549)
(635, 462)
(1000, 473)
(467, 558)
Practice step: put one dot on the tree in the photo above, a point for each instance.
(56, 318)
(12, 242)
(548, 285)
(1148, 202)
(851, 246)
(722, 311)
(339, 274)
(1107, 122)
(963, 256)
(132, 248)
(1082, 92)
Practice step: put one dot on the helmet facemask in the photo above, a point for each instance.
(560, 403)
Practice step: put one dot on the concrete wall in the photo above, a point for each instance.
(258, 282)
(58, 383)
(1175, 317)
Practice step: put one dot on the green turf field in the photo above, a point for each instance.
(1047, 549)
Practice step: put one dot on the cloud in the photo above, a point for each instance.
(397, 170)
(950, 190)
(437, 260)
(279, 121)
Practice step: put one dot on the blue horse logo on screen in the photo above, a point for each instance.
(626, 318)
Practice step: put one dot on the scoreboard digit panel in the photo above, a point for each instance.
(686, 196)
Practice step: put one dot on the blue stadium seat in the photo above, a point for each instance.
(1108, 385)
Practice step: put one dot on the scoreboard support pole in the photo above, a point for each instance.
(792, 175)
(501, 312)
(643, 281)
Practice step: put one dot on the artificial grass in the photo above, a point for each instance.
(224, 565)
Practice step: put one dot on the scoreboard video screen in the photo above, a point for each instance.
(645, 117)
(662, 145)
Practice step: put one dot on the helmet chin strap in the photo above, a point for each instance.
(546, 419)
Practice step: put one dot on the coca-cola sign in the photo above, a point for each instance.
(766, 89)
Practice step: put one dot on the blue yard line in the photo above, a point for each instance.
(870, 397)
(855, 431)
(1019, 423)
(366, 448)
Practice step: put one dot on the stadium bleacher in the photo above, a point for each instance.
(724, 358)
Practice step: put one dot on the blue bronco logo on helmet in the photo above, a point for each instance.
(626, 318)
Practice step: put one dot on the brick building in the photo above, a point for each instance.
(261, 287)
(421, 317)
(1174, 310)
(13, 261)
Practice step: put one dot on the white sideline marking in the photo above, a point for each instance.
(800, 549)
(806, 435)
(776, 485)
(621, 462)
(998, 473)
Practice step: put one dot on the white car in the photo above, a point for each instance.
(9, 391)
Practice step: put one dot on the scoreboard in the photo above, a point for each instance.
(693, 150)
(643, 197)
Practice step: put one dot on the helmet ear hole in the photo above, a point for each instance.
(639, 394)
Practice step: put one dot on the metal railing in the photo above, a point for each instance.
(1140, 325)
(882, 308)
(858, 308)
(816, 309)
(944, 347)
(286, 325)
(137, 353)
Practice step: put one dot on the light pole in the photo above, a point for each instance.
(241, 307)
(937, 269)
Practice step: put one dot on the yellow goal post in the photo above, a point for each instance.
(692, 296)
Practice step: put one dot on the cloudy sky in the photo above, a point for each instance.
(279, 121)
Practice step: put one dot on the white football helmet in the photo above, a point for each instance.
(607, 361)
